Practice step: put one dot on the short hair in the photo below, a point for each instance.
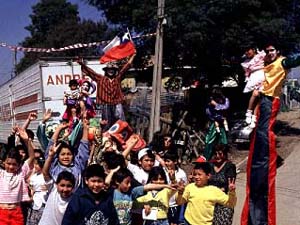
(155, 172)
(63, 144)
(94, 170)
(113, 159)
(205, 166)
(66, 175)
(121, 174)
(13, 153)
(171, 156)
(73, 82)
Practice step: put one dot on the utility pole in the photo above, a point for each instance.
(14, 71)
(157, 71)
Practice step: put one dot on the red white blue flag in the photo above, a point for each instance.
(120, 47)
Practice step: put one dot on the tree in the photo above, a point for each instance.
(55, 24)
(210, 35)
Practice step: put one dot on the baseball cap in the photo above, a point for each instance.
(143, 152)
(200, 159)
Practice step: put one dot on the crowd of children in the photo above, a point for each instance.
(86, 173)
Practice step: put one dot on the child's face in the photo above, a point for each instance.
(37, 167)
(158, 180)
(146, 163)
(11, 165)
(200, 178)
(65, 157)
(85, 86)
(167, 142)
(73, 87)
(65, 188)
(95, 184)
(125, 185)
(22, 154)
(171, 165)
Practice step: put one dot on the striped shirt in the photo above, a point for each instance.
(13, 187)
(109, 90)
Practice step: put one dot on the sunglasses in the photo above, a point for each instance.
(270, 50)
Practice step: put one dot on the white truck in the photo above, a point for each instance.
(36, 89)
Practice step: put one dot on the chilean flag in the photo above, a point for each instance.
(120, 47)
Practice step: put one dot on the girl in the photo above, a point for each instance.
(156, 203)
(39, 192)
(13, 188)
(255, 76)
(174, 175)
(64, 158)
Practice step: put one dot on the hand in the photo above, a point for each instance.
(231, 184)
(32, 116)
(147, 209)
(63, 125)
(171, 173)
(22, 133)
(47, 115)
(14, 130)
(115, 169)
(180, 187)
(85, 121)
(53, 149)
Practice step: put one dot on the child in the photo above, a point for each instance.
(201, 198)
(217, 109)
(255, 76)
(13, 188)
(39, 192)
(91, 204)
(65, 159)
(58, 199)
(123, 195)
(71, 98)
(85, 101)
(156, 203)
(174, 175)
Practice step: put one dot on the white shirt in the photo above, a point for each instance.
(55, 209)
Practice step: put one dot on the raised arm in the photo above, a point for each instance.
(41, 130)
(127, 65)
(47, 165)
(29, 144)
(31, 116)
(87, 70)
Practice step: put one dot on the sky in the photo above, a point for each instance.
(14, 16)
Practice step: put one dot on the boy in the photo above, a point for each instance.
(124, 195)
(60, 195)
(91, 204)
(201, 197)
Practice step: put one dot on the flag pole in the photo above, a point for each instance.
(157, 73)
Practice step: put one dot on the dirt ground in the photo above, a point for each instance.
(287, 129)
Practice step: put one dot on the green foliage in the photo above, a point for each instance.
(209, 34)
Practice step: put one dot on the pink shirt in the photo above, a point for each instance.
(13, 187)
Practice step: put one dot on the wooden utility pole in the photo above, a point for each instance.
(157, 70)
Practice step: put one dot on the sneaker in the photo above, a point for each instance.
(253, 122)
(218, 130)
(248, 117)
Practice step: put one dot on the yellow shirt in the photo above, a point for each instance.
(201, 202)
(158, 200)
(275, 75)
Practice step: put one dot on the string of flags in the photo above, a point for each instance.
(74, 46)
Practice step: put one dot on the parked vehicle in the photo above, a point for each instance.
(36, 89)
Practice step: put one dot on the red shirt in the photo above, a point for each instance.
(109, 90)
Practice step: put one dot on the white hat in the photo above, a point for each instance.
(142, 153)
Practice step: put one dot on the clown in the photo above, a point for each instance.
(86, 103)
(109, 96)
